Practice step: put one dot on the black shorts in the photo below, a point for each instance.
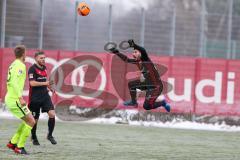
(45, 104)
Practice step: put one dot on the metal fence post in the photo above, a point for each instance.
(173, 36)
(229, 38)
(234, 47)
(40, 40)
(202, 31)
(205, 42)
(110, 23)
(76, 27)
(4, 8)
(142, 27)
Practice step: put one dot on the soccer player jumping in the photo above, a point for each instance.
(39, 97)
(150, 81)
(15, 102)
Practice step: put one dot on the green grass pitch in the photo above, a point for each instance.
(84, 141)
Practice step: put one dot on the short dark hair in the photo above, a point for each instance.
(19, 50)
(38, 53)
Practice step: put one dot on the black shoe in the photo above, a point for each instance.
(166, 106)
(35, 141)
(130, 103)
(20, 150)
(51, 139)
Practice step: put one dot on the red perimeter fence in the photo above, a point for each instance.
(200, 86)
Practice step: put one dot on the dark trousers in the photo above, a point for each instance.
(152, 93)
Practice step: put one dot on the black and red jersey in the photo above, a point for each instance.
(39, 74)
(146, 66)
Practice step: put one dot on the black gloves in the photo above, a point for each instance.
(131, 43)
(112, 47)
(114, 50)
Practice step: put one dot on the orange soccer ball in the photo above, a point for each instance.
(83, 9)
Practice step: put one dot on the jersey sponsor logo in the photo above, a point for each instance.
(42, 78)
(41, 73)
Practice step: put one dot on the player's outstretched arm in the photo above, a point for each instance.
(122, 56)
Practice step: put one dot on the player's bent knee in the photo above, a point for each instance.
(30, 120)
(51, 114)
(33, 122)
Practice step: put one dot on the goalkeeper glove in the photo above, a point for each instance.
(114, 50)
(131, 43)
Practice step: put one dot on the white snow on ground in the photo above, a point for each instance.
(174, 124)
(179, 124)
(190, 125)
(8, 115)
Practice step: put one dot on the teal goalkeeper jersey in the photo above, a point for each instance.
(16, 79)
